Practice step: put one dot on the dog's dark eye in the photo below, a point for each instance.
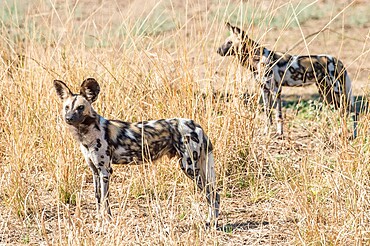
(66, 107)
(81, 107)
(229, 42)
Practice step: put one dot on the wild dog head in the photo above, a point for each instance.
(77, 107)
(232, 43)
(238, 44)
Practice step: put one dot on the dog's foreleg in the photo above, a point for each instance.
(267, 102)
(101, 162)
(96, 179)
(104, 175)
(96, 185)
(278, 112)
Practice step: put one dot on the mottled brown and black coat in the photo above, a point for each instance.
(104, 142)
(274, 70)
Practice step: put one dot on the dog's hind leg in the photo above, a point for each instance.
(198, 164)
(351, 104)
(207, 172)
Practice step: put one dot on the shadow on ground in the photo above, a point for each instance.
(291, 101)
(242, 226)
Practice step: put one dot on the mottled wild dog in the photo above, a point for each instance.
(275, 69)
(104, 142)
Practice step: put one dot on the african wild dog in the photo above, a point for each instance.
(105, 141)
(275, 69)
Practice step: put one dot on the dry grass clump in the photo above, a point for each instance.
(157, 60)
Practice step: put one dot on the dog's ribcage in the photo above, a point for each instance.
(134, 143)
(305, 70)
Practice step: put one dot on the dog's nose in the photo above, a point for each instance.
(219, 50)
(68, 118)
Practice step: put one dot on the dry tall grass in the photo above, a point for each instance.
(157, 60)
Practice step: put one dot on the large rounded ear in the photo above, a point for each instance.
(234, 29)
(62, 89)
(90, 89)
(228, 25)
